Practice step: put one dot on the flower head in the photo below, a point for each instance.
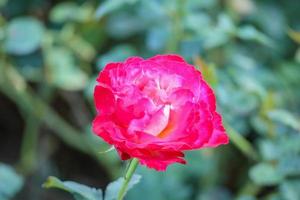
(155, 109)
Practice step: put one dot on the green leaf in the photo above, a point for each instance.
(289, 144)
(3, 2)
(157, 38)
(112, 5)
(294, 35)
(113, 188)
(117, 54)
(63, 71)
(208, 70)
(79, 191)
(265, 174)
(268, 150)
(161, 186)
(10, 182)
(246, 197)
(290, 190)
(196, 22)
(285, 117)
(251, 33)
(221, 34)
(24, 35)
(297, 56)
(215, 38)
(215, 193)
(64, 12)
(89, 89)
(125, 24)
(289, 165)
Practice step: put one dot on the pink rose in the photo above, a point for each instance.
(155, 109)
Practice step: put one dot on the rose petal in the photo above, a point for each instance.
(219, 135)
(104, 100)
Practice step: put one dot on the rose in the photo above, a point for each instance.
(155, 109)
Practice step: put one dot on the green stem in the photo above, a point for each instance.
(249, 188)
(132, 167)
(241, 143)
(177, 27)
(29, 145)
(28, 159)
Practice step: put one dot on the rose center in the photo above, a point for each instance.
(158, 121)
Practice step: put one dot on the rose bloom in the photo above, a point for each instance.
(155, 109)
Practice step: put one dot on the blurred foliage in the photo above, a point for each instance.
(83, 192)
(248, 50)
(10, 182)
(79, 192)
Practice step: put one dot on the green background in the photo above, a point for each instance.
(52, 51)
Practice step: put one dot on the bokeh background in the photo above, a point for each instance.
(248, 50)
